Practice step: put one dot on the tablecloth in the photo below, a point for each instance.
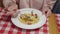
(58, 22)
(7, 27)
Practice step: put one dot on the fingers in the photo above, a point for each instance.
(13, 13)
(13, 7)
(47, 12)
(10, 13)
(12, 10)
(3, 10)
(44, 12)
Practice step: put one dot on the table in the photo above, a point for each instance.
(58, 22)
(7, 27)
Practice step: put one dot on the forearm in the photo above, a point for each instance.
(48, 4)
(51, 4)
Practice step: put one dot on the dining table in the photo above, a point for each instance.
(52, 25)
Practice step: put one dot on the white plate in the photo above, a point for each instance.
(42, 19)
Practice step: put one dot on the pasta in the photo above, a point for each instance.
(29, 18)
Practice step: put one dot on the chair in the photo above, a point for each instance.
(56, 7)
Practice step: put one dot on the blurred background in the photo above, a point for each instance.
(1, 4)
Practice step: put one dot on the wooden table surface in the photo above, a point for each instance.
(53, 25)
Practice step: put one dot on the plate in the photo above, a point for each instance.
(18, 23)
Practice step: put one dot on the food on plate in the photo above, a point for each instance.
(29, 18)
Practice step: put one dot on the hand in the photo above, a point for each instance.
(12, 10)
(47, 12)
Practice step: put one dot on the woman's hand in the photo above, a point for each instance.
(47, 12)
(12, 10)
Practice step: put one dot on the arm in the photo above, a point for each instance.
(51, 3)
(47, 6)
(11, 6)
